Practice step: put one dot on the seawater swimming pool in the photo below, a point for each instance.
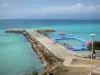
(72, 43)
(70, 46)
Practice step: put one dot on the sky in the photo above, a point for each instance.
(50, 9)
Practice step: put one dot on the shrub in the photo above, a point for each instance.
(96, 45)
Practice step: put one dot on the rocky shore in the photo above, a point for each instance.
(19, 31)
(53, 63)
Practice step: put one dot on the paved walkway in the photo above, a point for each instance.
(56, 49)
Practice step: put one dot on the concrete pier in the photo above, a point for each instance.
(56, 49)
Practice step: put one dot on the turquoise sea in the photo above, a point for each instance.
(16, 54)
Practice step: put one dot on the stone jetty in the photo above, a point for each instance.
(45, 55)
(19, 31)
(46, 30)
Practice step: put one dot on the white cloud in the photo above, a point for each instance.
(71, 11)
(78, 9)
(4, 5)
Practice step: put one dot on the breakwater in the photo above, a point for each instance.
(43, 53)
(46, 30)
(19, 31)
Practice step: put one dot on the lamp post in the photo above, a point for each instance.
(92, 35)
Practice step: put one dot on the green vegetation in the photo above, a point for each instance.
(96, 45)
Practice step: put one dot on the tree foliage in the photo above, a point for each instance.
(96, 45)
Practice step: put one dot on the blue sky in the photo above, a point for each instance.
(50, 9)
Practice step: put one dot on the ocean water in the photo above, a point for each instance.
(16, 54)
(79, 28)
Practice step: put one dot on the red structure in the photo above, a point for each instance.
(62, 35)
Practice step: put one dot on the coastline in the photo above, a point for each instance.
(55, 64)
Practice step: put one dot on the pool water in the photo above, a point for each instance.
(78, 47)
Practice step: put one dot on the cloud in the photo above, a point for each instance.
(4, 5)
(67, 12)
(75, 9)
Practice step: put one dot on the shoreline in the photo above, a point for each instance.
(55, 63)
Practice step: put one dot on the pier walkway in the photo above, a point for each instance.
(56, 49)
